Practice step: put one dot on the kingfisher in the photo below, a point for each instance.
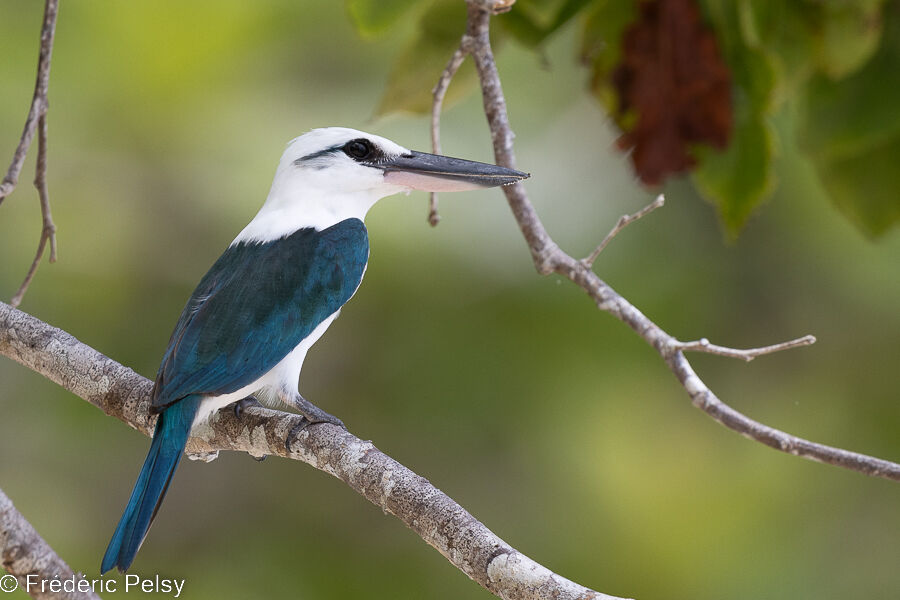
(248, 325)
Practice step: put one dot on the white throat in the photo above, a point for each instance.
(283, 214)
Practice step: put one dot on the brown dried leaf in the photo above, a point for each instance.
(674, 89)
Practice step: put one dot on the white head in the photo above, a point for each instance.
(331, 174)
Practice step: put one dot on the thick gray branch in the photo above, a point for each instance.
(120, 392)
(549, 258)
(25, 555)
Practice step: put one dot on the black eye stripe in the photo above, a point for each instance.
(319, 154)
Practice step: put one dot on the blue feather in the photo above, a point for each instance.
(172, 430)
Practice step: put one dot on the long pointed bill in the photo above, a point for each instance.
(435, 173)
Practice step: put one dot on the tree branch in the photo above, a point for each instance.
(438, 93)
(36, 122)
(549, 258)
(442, 523)
(24, 552)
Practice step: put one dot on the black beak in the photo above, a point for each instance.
(435, 173)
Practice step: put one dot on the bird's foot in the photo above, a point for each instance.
(294, 432)
(241, 405)
(313, 413)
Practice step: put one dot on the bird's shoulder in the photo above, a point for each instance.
(281, 270)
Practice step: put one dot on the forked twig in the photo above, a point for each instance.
(48, 230)
(621, 224)
(36, 123)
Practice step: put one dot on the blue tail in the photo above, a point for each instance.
(172, 430)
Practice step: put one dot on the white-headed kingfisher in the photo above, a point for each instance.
(247, 327)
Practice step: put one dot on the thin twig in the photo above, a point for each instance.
(549, 258)
(48, 229)
(438, 93)
(621, 224)
(36, 122)
(703, 345)
(38, 100)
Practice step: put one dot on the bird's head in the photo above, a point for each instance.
(346, 160)
(334, 173)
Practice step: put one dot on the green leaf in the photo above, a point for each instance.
(522, 28)
(742, 30)
(851, 131)
(531, 22)
(847, 36)
(782, 30)
(418, 68)
(566, 12)
(741, 177)
(865, 187)
(601, 45)
(374, 17)
(835, 37)
(755, 79)
(849, 116)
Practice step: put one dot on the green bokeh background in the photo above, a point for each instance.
(550, 421)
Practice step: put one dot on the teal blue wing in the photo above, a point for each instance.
(255, 305)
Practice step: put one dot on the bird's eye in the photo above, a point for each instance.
(360, 149)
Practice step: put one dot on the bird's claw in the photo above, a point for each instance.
(314, 414)
(294, 432)
(326, 418)
(241, 405)
(310, 417)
